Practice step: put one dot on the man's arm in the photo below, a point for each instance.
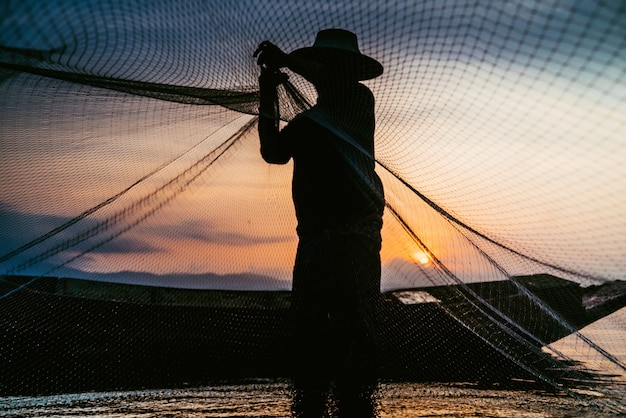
(270, 58)
(274, 149)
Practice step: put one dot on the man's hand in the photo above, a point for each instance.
(271, 78)
(270, 56)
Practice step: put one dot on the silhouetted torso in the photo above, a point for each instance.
(334, 183)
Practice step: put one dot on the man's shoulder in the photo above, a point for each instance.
(307, 120)
(307, 116)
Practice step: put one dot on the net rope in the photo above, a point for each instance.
(130, 156)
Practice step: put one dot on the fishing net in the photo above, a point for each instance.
(145, 242)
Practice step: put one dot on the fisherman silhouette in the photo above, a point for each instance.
(339, 203)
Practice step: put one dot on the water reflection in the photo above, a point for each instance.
(273, 398)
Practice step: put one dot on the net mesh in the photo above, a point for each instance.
(136, 210)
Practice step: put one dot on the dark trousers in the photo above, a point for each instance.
(336, 294)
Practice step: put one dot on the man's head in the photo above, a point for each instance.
(335, 54)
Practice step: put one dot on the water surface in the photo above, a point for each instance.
(272, 398)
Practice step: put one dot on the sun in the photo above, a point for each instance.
(421, 257)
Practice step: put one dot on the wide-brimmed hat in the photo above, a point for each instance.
(336, 51)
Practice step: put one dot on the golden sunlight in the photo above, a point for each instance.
(421, 257)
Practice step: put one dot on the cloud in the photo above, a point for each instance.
(126, 245)
(18, 229)
(211, 232)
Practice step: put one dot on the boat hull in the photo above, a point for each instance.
(65, 335)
